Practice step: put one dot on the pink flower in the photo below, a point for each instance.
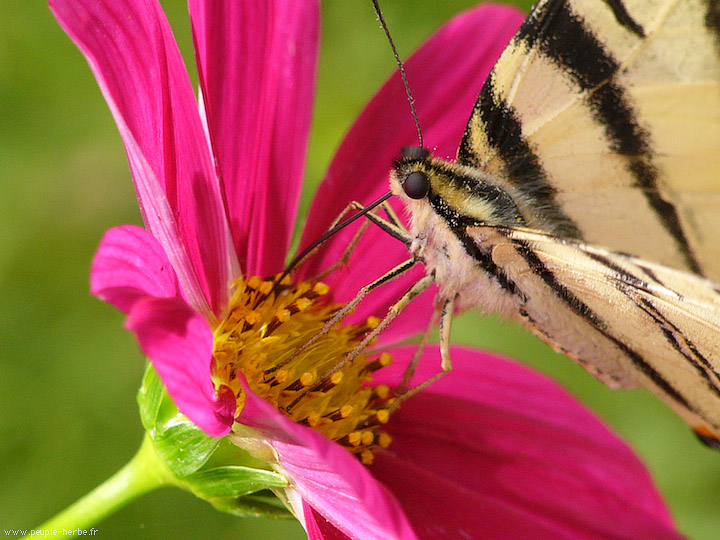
(490, 451)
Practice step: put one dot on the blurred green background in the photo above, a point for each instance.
(69, 372)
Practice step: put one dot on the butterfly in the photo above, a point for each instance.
(584, 200)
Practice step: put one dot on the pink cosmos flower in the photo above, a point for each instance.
(492, 450)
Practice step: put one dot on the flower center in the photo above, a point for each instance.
(265, 335)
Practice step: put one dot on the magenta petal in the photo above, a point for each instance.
(257, 66)
(514, 456)
(132, 52)
(329, 479)
(445, 75)
(128, 265)
(319, 528)
(179, 343)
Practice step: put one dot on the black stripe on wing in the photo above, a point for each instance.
(564, 38)
(458, 224)
(624, 18)
(577, 306)
(629, 285)
(524, 168)
(712, 19)
(474, 190)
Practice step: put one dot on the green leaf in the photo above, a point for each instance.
(233, 481)
(183, 446)
(179, 443)
(252, 506)
(150, 397)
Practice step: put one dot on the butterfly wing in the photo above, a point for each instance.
(603, 118)
(630, 322)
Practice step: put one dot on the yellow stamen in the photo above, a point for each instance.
(266, 287)
(303, 304)
(367, 438)
(320, 288)
(267, 323)
(354, 438)
(346, 410)
(384, 440)
(312, 420)
(367, 457)
(381, 392)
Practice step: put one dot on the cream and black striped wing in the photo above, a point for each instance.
(602, 117)
(630, 322)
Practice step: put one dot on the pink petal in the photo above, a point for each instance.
(445, 76)
(319, 528)
(258, 95)
(131, 50)
(179, 343)
(514, 456)
(130, 264)
(328, 477)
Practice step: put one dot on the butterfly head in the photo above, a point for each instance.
(460, 194)
(416, 183)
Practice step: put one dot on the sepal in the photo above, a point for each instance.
(253, 506)
(212, 468)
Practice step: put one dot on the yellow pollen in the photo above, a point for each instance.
(367, 438)
(382, 392)
(271, 338)
(313, 419)
(266, 287)
(367, 457)
(384, 440)
(346, 410)
(303, 304)
(372, 322)
(355, 438)
(307, 378)
(382, 361)
(320, 288)
(334, 380)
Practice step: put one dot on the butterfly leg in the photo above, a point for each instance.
(448, 310)
(446, 315)
(345, 257)
(392, 225)
(347, 308)
(418, 288)
(346, 254)
(394, 310)
(410, 370)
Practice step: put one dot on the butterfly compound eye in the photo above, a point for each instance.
(416, 185)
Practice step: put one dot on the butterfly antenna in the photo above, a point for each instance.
(402, 70)
(337, 228)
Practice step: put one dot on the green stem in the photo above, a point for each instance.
(143, 473)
